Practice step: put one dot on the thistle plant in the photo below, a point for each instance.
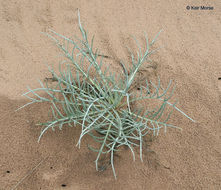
(89, 96)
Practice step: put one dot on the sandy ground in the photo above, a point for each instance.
(191, 57)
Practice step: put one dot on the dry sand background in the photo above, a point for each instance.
(191, 56)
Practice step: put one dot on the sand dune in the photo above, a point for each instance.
(191, 57)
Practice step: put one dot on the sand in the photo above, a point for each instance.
(187, 159)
